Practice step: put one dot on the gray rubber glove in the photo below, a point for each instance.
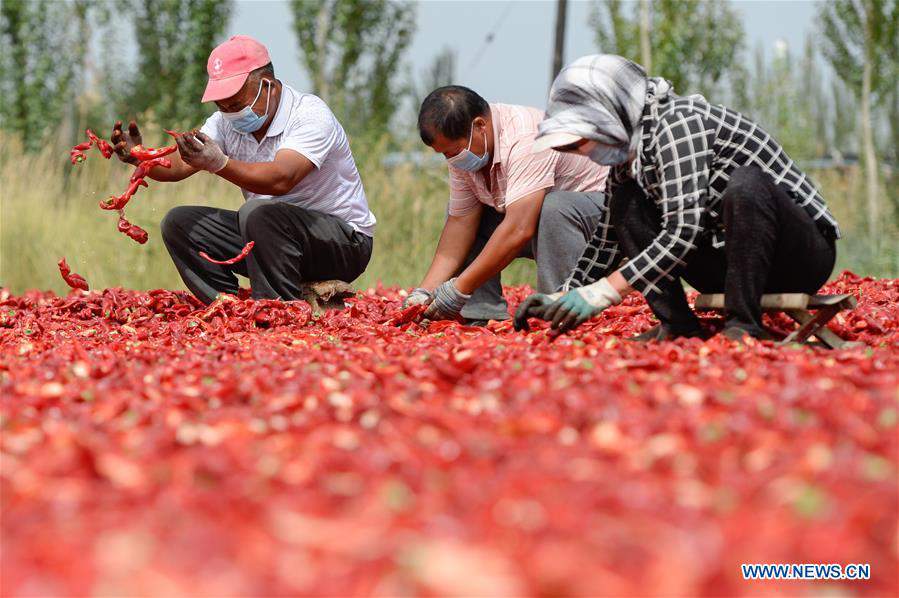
(418, 296)
(201, 152)
(448, 302)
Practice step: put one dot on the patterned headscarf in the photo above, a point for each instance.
(601, 97)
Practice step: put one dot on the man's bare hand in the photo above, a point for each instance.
(122, 142)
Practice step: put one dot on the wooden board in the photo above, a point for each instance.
(772, 302)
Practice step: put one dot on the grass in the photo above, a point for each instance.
(48, 209)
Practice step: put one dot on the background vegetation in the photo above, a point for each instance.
(835, 119)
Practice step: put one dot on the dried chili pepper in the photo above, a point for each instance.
(119, 202)
(105, 148)
(132, 230)
(148, 153)
(76, 281)
(143, 168)
(331, 448)
(243, 253)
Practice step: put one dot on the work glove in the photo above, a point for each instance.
(201, 152)
(533, 306)
(418, 296)
(447, 304)
(574, 307)
(122, 142)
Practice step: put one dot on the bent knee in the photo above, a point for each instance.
(745, 182)
(176, 221)
(257, 217)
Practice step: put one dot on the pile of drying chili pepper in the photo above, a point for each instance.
(153, 445)
(147, 157)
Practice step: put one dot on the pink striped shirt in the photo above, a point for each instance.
(515, 171)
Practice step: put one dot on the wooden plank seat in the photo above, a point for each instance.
(799, 307)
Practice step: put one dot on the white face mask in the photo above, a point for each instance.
(467, 159)
(607, 155)
(246, 121)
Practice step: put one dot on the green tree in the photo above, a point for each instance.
(352, 50)
(441, 72)
(692, 44)
(36, 67)
(859, 40)
(174, 40)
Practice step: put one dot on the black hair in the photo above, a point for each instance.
(264, 70)
(449, 111)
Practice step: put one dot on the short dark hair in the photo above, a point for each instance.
(449, 111)
(264, 70)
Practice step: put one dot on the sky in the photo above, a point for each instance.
(515, 67)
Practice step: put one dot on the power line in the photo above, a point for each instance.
(491, 35)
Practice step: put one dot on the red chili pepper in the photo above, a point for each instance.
(148, 153)
(243, 253)
(482, 449)
(104, 148)
(76, 281)
(119, 202)
(143, 169)
(132, 230)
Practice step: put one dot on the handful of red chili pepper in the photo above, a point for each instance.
(76, 281)
(243, 253)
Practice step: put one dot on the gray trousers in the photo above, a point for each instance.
(292, 245)
(567, 222)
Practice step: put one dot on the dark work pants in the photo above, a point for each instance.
(292, 245)
(771, 246)
(567, 221)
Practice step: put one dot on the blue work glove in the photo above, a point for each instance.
(418, 296)
(447, 304)
(579, 305)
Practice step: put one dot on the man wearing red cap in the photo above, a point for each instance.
(305, 207)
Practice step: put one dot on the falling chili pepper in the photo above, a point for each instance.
(243, 253)
(76, 281)
(148, 153)
(132, 230)
(119, 202)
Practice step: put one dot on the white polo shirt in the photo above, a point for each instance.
(304, 123)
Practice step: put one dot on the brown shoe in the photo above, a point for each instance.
(660, 332)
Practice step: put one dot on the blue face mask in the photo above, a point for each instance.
(468, 160)
(609, 155)
(246, 121)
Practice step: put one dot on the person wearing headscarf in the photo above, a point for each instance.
(696, 192)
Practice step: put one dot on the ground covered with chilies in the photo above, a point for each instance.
(151, 446)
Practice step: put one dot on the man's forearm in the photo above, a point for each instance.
(264, 178)
(443, 267)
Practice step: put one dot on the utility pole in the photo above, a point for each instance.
(559, 50)
(645, 48)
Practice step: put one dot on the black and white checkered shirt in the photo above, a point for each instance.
(687, 152)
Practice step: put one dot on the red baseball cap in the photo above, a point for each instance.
(229, 65)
